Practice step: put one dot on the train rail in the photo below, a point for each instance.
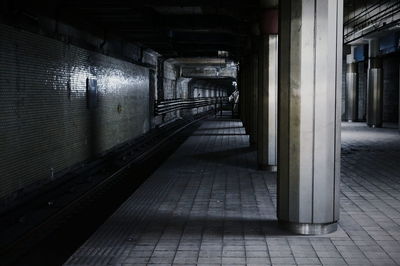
(107, 181)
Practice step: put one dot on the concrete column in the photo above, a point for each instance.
(309, 100)
(250, 99)
(243, 94)
(254, 98)
(268, 92)
(374, 86)
(362, 90)
(351, 88)
(241, 91)
(246, 102)
(246, 85)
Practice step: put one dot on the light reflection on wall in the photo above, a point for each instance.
(46, 124)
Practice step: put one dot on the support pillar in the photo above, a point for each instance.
(248, 93)
(375, 86)
(254, 98)
(243, 93)
(268, 92)
(351, 88)
(309, 100)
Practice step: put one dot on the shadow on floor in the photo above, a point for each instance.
(217, 225)
(228, 157)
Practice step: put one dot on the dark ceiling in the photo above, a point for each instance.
(185, 28)
(174, 28)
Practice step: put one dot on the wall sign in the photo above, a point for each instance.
(91, 93)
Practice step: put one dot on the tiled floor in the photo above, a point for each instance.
(207, 205)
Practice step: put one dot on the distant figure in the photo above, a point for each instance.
(234, 99)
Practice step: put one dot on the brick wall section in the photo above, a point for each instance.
(44, 120)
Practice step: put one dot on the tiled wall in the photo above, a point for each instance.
(45, 125)
(170, 88)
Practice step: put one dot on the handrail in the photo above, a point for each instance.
(171, 105)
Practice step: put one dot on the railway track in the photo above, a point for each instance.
(46, 230)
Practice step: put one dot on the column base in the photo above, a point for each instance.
(309, 229)
(267, 167)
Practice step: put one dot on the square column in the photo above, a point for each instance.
(268, 103)
(254, 98)
(351, 88)
(309, 100)
(374, 86)
(242, 91)
(244, 94)
(248, 96)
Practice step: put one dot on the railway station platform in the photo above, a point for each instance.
(209, 205)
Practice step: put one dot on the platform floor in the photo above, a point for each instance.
(207, 205)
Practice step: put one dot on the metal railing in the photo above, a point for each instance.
(167, 106)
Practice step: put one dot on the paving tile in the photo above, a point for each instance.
(304, 253)
(135, 260)
(141, 253)
(257, 254)
(333, 261)
(163, 253)
(357, 261)
(185, 260)
(383, 262)
(206, 260)
(328, 254)
(209, 254)
(233, 260)
(284, 261)
(280, 253)
(258, 260)
(206, 203)
(233, 253)
(308, 261)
